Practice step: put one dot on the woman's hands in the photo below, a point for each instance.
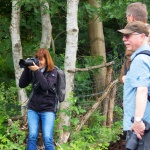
(34, 67)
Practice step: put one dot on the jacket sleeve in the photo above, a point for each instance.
(126, 63)
(46, 82)
(25, 78)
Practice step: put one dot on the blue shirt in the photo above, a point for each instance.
(137, 76)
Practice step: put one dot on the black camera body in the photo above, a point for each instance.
(133, 141)
(28, 62)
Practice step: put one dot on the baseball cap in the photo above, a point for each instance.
(135, 26)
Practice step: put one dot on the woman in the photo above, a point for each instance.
(42, 102)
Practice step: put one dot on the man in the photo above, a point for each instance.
(134, 12)
(137, 83)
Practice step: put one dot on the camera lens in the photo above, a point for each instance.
(28, 62)
(22, 63)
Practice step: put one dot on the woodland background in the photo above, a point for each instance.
(76, 43)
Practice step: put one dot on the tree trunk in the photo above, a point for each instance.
(46, 26)
(70, 60)
(97, 44)
(17, 50)
(107, 99)
(111, 106)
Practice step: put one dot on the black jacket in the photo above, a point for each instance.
(43, 98)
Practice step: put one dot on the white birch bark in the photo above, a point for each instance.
(46, 26)
(70, 60)
(17, 50)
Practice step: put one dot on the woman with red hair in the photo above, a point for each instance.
(42, 102)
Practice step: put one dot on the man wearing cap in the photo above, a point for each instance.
(136, 11)
(137, 83)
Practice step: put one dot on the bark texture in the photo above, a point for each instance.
(70, 60)
(46, 26)
(97, 44)
(17, 50)
(107, 99)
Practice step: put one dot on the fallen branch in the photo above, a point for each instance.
(95, 106)
(90, 68)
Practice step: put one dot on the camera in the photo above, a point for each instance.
(133, 142)
(28, 62)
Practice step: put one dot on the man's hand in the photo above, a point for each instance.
(139, 128)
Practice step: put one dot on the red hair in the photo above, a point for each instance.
(43, 52)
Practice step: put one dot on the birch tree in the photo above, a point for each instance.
(70, 60)
(46, 25)
(17, 49)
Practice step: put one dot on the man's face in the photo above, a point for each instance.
(132, 41)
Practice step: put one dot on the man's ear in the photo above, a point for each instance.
(143, 36)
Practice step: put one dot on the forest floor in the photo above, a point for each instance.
(119, 145)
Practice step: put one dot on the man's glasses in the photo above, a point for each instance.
(127, 36)
(128, 15)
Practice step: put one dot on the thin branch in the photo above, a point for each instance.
(90, 68)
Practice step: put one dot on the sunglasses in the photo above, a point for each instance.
(127, 36)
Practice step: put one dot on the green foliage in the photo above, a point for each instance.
(112, 13)
(58, 59)
(72, 112)
(9, 105)
(118, 114)
(111, 9)
(93, 60)
(84, 80)
(92, 10)
(11, 137)
(7, 69)
(93, 135)
(6, 63)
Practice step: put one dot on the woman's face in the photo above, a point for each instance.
(42, 62)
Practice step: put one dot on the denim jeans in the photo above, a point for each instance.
(47, 119)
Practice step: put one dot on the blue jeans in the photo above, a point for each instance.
(47, 119)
